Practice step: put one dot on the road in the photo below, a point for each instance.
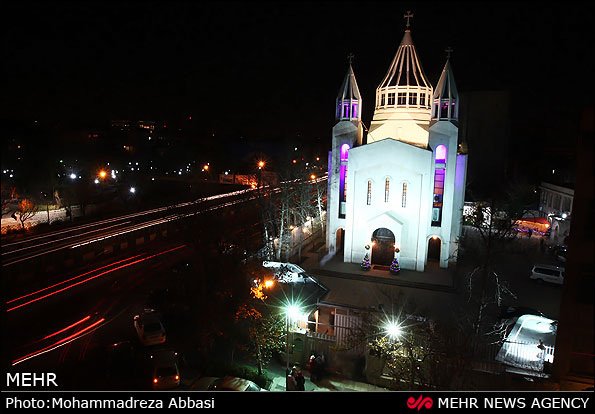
(67, 328)
(16, 250)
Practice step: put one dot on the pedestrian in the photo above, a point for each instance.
(318, 367)
(300, 381)
(290, 384)
(530, 233)
(313, 368)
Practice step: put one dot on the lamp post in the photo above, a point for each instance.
(292, 312)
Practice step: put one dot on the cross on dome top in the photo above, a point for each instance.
(448, 51)
(350, 58)
(407, 16)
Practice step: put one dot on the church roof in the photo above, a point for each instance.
(349, 89)
(446, 88)
(406, 69)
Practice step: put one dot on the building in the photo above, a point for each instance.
(574, 364)
(397, 191)
(555, 203)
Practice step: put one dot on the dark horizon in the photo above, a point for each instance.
(274, 69)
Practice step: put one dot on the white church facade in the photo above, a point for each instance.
(399, 189)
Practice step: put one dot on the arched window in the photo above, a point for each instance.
(369, 198)
(404, 196)
(345, 152)
(439, 176)
(386, 188)
(344, 155)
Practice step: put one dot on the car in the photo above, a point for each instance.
(547, 273)
(226, 383)
(166, 374)
(149, 328)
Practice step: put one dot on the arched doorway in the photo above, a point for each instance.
(434, 245)
(340, 241)
(383, 249)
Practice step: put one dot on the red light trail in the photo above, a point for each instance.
(86, 280)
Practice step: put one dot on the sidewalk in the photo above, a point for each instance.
(328, 383)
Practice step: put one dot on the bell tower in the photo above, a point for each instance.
(347, 134)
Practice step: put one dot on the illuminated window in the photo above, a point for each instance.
(404, 196)
(354, 110)
(369, 200)
(439, 176)
(386, 186)
(402, 98)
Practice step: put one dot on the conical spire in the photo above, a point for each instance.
(403, 99)
(349, 98)
(446, 97)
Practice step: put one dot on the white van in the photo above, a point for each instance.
(548, 273)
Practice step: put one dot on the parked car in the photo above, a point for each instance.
(226, 383)
(548, 273)
(166, 374)
(149, 328)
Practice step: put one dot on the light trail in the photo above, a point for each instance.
(86, 318)
(72, 278)
(58, 344)
(93, 277)
(56, 241)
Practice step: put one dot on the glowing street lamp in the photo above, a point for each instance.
(102, 174)
(393, 330)
(132, 190)
(292, 312)
(260, 165)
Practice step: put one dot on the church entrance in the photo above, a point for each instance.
(340, 242)
(434, 245)
(383, 250)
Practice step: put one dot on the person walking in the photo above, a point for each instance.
(290, 383)
(300, 381)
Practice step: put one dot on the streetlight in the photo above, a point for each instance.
(393, 330)
(292, 311)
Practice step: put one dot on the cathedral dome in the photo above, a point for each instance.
(405, 88)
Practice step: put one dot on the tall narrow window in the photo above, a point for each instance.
(439, 176)
(382, 99)
(391, 98)
(412, 99)
(422, 99)
(344, 155)
(369, 199)
(386, 187)
(404, 196)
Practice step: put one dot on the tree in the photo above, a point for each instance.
(27, 209)
(9, 194)
(489, 238)
(265, 333)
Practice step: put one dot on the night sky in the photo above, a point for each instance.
(266, 70)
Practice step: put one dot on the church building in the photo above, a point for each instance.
(398, 189)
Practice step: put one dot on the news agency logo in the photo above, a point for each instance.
(420, 403)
